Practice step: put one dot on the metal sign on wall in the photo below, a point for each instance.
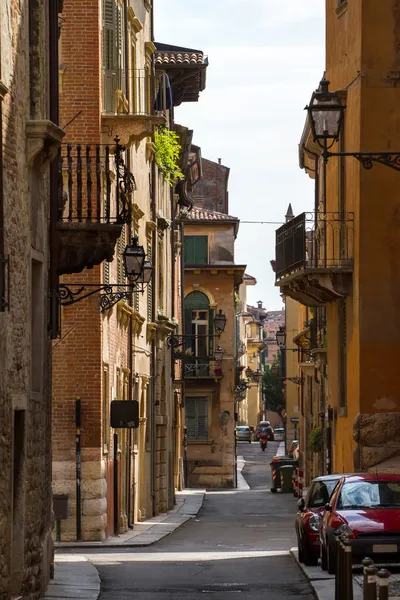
(124, 414)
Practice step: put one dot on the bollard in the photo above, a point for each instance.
(383, 575)
(338, 583)
(347, 570)
(366, 562)
(370, 587)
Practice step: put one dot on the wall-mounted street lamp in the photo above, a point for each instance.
(219, 322)
(219, 354)
(281, 337)
(326, 114)
(258, 376)
(249, 373)
(138, 271)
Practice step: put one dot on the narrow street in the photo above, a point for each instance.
(238, 544)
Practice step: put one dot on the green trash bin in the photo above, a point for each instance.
(286, 473)
(276, 465)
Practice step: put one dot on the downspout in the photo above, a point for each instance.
(184, 437)
(54, 117)
(153, 363)
(130, 492)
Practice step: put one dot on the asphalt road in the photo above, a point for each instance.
(236, 547)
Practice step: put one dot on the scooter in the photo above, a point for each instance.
(263, 442)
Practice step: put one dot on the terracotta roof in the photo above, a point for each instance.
(177, 55)
(202, 214)
(247, 276)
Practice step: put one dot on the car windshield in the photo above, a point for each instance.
(320, 492)
(243, 429)
(370, 494)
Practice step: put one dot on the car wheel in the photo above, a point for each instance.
(249, 441)
(310, 559)
(324, 564)
(330, 560)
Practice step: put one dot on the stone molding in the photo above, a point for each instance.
(165, 327)
(137, 323)
(43, 139)
(124, 312)
(130, 128)
(151, 331)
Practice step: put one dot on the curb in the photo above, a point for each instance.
(322, 583)
(154, 529)
(74, 577)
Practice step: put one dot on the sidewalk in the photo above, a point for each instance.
(74, 578)
(146, 533)
(322, 583)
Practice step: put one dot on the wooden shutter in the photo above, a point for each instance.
(110, 62)
(202, 418)
(195, 249)
(190, 415)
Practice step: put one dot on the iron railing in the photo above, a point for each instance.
(196, 353)
(135, 92)
(310, 242)
(318, 328)
(94, 183)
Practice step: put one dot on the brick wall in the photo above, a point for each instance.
(212, 190)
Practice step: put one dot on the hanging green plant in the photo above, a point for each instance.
(167, 151)
(315, 440)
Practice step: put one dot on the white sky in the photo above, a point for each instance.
(265, 59)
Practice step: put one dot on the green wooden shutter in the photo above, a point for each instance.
(195, 249)
(150, 285)
(190, 416)
(202, 418)
(110, 63)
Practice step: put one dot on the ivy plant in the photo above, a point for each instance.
(167, 150)
(315, 440)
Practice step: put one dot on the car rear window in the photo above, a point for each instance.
(243, 428)
(370, 494)
(320, 492)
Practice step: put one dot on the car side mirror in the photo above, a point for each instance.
(301, 504)
(328, 507)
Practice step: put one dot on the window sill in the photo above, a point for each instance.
(341, 9)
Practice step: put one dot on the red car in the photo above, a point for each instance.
(309, 517)
(366, 508)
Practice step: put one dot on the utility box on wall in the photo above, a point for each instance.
(60, 506)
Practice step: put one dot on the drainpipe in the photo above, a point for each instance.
(54, 116)
(2, 257)
(184, 437)
(131, 365)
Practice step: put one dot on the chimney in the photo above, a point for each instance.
(219, 161)
(260, 304)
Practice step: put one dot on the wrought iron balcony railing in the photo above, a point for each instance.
(318, 329)
(94, 184)
(315, 242)
(135, 92)
(197, 355)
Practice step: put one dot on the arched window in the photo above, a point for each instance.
(198, 332)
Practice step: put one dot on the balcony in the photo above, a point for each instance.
(134, 101)
(196, 352)
(94, 193)
(314, 257)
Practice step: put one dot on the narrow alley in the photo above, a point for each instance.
(238, 544)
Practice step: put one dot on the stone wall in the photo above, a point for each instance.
(25, 359)
(377, 438)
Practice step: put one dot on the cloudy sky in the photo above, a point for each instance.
(265, 59)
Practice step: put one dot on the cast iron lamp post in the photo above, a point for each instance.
(326, 114)
(138, 271)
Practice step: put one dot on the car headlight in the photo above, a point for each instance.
(345, 530)
(314, 522)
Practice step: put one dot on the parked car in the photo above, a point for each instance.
(366, 508)
(279, 434)
(310, 511)
(243, 433)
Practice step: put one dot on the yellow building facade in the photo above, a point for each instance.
(347, 263)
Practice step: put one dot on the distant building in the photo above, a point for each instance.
(275, 319)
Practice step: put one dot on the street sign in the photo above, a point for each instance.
(294, 419)
(124, 414)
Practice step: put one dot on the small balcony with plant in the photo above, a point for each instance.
(199, 357)
(134, 102)
(94, 202)
(314, 257)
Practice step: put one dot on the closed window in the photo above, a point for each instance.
(113, 53)
(196, 410)
(196, 249)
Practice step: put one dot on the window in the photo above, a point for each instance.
(320, 492)
(196, 410)
(113, 53)
(342, 318)
(196, 249)
(106, 408)
(199, 334)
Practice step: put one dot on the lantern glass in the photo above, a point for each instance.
(249, 373)
(147, 271)
(133, 260)
(326, 113)
(219, 353)
(281, 337)
(219, 322)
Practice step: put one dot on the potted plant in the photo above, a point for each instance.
(315, 440)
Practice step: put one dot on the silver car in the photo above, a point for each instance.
(279, 434)
(243, 434)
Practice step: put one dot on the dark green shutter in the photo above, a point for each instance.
(110, 59)
(190, 414)
(202, 418)
(211, 332)
(195, 249)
